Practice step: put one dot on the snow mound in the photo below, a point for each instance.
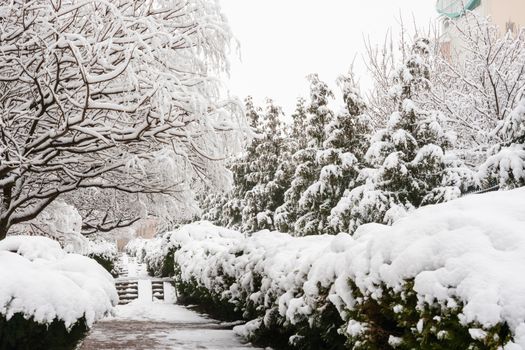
(33, 247)
(104, 249)
(38, 279)
(203, 231)
(471, 249)
(467, 253)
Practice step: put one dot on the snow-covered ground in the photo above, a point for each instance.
(133, 268)
(138, 310)
(160, 336)
(148, 325)
(160, 325)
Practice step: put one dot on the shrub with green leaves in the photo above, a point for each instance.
(447, 276)
(20, 333)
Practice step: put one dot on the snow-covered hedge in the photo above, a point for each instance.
(104, 249)
(45, 286)
(105, 253)
(447, 276)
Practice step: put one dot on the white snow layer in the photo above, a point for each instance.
(40, 280)
(470, 249)
(107, 250)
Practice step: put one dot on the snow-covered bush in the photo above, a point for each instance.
(47, 296)
(447, 276)
(60, 221)
(104, 249)
(105, 253)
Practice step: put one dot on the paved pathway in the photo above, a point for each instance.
(158, 325)
(146, 325)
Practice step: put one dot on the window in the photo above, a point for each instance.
(510, 27)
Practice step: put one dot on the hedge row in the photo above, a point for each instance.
(19, 333)
(300, 293)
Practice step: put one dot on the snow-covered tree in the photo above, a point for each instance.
(299, 124)
(261, 200)
(250, 203)
(337, 164)
(59, 221)
(478, 85)
(350, 129)
(304, 175)
(409, 166)
(98, 94)
(475, 83)
(505, 166)
(229, 205)
(318, 116)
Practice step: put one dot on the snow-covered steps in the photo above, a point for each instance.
(127, 291)
(134, 283)
(157, 289)
(152, 289)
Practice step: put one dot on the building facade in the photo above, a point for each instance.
(508, 15)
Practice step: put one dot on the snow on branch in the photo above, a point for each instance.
(109, 94)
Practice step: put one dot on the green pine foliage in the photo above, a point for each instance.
(327, 172)
(21, 333)
(295, 214)
(260, 200)
(407, 162)
(337, 163)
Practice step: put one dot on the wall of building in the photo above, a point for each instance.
(146, 229)
(504, 12)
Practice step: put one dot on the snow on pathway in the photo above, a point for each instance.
(147, 325)
(156, 325)
(132, 267)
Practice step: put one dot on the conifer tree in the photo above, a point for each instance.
(409, 166)
(337, 163)
(299, 123)
(505, 165)
(259, 201)
(305, 159)
(319, 114)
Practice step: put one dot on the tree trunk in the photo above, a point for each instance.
(3, 229)
(6, 193)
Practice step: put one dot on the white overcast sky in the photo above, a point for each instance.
(282, 41)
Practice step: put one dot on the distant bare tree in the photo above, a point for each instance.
(475, 85)
(479, 83)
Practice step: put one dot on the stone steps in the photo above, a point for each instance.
(127, 291)
(157, 289)
(128, 286)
